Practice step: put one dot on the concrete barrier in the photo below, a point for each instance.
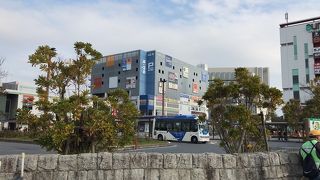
(153, 166)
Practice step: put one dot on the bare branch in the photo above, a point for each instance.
(3, 73)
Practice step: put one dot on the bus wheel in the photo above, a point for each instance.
(160, 137)
(194, 139)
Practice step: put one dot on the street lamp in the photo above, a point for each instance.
(163, 81)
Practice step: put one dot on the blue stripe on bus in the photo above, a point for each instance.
(178, 134)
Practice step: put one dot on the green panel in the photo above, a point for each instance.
(295, 72)
(295, 48)
(295, 87)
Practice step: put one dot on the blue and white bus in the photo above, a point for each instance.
(180, 128)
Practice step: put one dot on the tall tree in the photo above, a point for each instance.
(293, 113)
(233, 110)
(79, 123)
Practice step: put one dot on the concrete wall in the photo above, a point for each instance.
(280, 165)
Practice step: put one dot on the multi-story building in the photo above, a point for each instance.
(300, 57)
(16, 95)
(142, 74)
(227, 74)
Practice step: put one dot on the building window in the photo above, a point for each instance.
(102, 75)
(159, 71)
(296, 95)
(180, 70)
(137, 61)
(101, 82)
(199, 81)
(102, 68)
(189, 86)
(306, 50)
(180, 76)
(172, 67)
(119, 65)
(295, 79)
(119, 72)
(307, 78)
(192, 80)
(295, 48)
(136, 77)
(160, 63)
(137, 69)
(200, 87)
(196, 74)
(160, 79)
(118, 80)
(307, 63)
(162, 72)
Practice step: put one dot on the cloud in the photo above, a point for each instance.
(220, 33)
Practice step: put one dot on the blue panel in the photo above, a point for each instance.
(178, 135)
(143, 72)
(150, 73)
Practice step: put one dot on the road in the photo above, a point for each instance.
(174, 147)
(18, 148)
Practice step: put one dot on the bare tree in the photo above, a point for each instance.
(3, 73)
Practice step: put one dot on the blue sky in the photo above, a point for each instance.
(220, 33)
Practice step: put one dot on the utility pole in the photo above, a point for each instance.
(163, 81)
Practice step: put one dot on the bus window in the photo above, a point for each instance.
(169, 126)
(177, 126)
(185, 126)
(157, 126)
(194, 127)
(163, 126)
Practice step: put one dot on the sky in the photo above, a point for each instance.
(220, 33)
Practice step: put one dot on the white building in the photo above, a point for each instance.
(300, 57)
(16, 95)
(228, 73)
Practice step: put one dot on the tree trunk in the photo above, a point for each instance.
(241, 141)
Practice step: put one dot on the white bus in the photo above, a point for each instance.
(180, 128)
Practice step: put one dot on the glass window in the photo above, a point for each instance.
(102, 68)
(169, 126)
(177, 126)
(307, 78)
(137, 69)
(194, 126)
(295, 79)
(307, 63)
(185, 126)
(296, 95)
(160, 63)
(102, 75)
(295, 48)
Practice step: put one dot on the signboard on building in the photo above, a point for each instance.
(160, 87)
(113, 82)
(143, 66)
(204, 76)
(184, 98)
(110, 61)
(130, 82)
(195, 88)
(317, 67)
(97, 82)
(185, 72)
(168, 61)
(150, 66)
(314, 124)
(313, 27)
(126, 64)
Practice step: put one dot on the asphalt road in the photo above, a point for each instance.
(18, 148)
(174, 147)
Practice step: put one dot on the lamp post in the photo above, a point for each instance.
(163, 81)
